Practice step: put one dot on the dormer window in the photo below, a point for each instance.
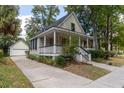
(72, 27)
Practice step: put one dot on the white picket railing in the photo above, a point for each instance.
(50, 49)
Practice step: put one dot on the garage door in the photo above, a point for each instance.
(17, 52)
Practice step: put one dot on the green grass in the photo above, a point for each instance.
(94, 72)
(11, 76)
(88, 71)
(99, 60)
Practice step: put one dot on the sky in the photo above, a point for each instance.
(25, 13)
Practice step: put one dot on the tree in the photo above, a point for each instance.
(9, 23)
(118, 37)
(52, 11)
(9, 26)
(69, 48)
(100, 21)
(83, 14)
(88, 17)
(42, 16)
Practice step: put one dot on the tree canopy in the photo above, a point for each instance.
(9, 26)
(100, 21)
(42, 16)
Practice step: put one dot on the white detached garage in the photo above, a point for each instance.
(19, 48)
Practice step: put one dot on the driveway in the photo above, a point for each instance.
(45, 76)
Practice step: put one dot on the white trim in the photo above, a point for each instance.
(62, 29)
(44, 43)
(76, 20)
(60, 24)
(50, 29)
(54, 42)
(17, 42)
(79, 41)
(38, 44)
(49, 54)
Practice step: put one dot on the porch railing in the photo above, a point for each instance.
(84, 53)
(50, 50)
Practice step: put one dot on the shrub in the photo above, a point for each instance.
(97, 54)
(33, 57)
(41, 59)
(112, 53)
(1, 54)
(2, 60)
(27, 52)
(110, 63)
(120, 53)
(46, 60)
(70, 49)
(50, 62)
(60, 61)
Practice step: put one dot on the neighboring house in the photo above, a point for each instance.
(50, 40)
(19, 48)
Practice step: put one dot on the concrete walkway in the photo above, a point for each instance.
(104, 66)
(42, 75)
(115, 79)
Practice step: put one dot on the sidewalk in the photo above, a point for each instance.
(105, 66)
(115, 79)
(42, 75)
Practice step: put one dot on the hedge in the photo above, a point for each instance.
(59, 61)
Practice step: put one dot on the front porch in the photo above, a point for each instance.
(51, 43)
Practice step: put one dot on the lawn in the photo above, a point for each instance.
(85, 70)
(11, 76)
(114, 61)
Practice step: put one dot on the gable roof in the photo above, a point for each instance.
(59, 22)
(55, 24)
(75, 18)
(20, 40)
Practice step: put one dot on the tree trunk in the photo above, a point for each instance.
(111, 34)
(107, 37)
(111, 45)
(99, 42)
(5, 50)
(95, 37)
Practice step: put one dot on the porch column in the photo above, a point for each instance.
(87, 43)
(44, 43)
(69, 39)
(38, 45)
(54, 44)
(79, 41)
(94, 43)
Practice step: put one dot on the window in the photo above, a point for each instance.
(33, 44)
(72, 27)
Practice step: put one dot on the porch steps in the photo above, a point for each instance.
(83, 55)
